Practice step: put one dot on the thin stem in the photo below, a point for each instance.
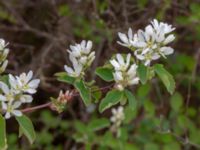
(46, 105)
(36, 107)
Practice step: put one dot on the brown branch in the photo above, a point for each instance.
(29, 109)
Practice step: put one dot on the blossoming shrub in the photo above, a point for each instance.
(122, 71)
(15, 91)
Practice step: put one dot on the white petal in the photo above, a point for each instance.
(75, 51)
(119, 87)
(34, 83)
(155, 23)
(2, 43)
(132, 70)
(91, 58)
(113, 119)
(92, 54)
(2, 98)
(120, 59)
(114, 111)
(169, 39)
(4, 106)
(167, 50)
(160, 37)
(3, 67)
(7, 116)
(115, 64)
(11, 79)
(83, 44)
(147, 62)
(139, 56)
(146, 50)
(123, 37)
(155, 56)
(26, 98)
(141, 35)
(4, 87)
(118, 76)
(78, 69)
(120, 109)
(83, 60)
(125, 45)
(140, 44)
(128, 58)
(17, 104)
(134, 81)
(69, 70)
(74, 61)
(130, 34)
(5, 52)
(149, 30)
(29, 76)
(31, 91)
(17, 113)
(88, 46)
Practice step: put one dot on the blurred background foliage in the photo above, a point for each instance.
(40, 31)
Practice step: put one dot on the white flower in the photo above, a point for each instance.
(162, 27)
(91, 58)
(10, 108)
(127, 40)
(132, 75)
(3, 55)
(117, 116)
(125, 74)
(17, 92)
(24, 98)
(120, 64)
(155, 37)
(77, 68)
(8, 94)
(81, 57)
(150, 44)
(78, 50)
(3, 44)
(118, 76)
(24, 82)
(166, 51)
(3, 66)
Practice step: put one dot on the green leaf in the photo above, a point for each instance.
(96, 93)
(166, 77)
(176, 101)
(142, 73)
(3, 140)
(105, 73)
(80, 127)
(20, 132)
(63, 77)
(5, 79)
(84, 92)
(27, 128)
(112, 97)
(98, 124)
(131, 99)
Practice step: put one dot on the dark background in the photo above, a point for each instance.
(40, 31)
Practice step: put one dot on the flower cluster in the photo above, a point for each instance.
(151, 43)
(17, 92)
(3, 55)
(81, 57)
(125, 74)
(117, 117)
